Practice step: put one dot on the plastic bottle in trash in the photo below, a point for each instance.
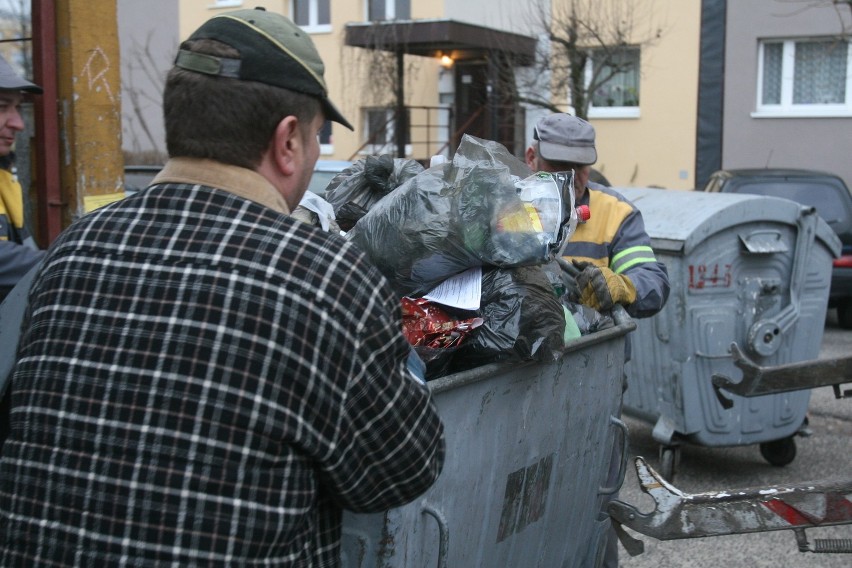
(580, 214)
(543, 198)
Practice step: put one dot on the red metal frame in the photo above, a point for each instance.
(47, 179)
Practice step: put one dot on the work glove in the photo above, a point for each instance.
(601, 288)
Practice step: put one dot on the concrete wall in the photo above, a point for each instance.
(820, 143)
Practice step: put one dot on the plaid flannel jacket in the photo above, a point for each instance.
(205, 381)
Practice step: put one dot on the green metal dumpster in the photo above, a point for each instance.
(526, 474)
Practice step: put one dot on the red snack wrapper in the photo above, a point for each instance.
(426, 324)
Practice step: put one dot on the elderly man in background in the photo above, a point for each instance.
(611, 251)
(18, 251)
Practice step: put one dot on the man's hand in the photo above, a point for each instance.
(601, 288)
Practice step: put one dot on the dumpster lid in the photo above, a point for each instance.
(678, 220)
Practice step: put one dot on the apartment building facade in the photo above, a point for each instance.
(688, 104)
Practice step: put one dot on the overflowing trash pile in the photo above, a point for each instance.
(472, 247)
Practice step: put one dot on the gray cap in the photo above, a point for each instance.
(566, 138)
(11, 81)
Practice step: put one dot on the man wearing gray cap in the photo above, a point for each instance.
(18, 251)
(202, 379)
(611, 251)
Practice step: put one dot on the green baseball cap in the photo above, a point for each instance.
(273, 50)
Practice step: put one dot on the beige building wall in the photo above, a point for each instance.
(658, 148)
(522, 17)
(355, 86)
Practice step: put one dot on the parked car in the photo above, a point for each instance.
(324, 172)
(137, 178)
(824, 191)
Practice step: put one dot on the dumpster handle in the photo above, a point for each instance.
(622, 467)
(443, 532)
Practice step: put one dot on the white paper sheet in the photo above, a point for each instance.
(461, 291)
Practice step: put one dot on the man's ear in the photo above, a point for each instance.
(286, 145)
(530, 156)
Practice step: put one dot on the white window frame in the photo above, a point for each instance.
(614, 111)
(313, 26)
(390, 9)
(786, 108)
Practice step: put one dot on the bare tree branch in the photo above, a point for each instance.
(578, 32)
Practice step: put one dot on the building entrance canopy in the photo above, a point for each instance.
(433, 38)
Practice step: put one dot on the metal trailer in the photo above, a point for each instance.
(679, 515)
(744, 269)
(795, 507)
(526, 479)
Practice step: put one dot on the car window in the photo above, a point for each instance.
(824, 198)
(828, 200)
(137, 178)
(319, 182)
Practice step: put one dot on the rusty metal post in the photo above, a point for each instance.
(89, 105)
(46, 180)
(401, 122)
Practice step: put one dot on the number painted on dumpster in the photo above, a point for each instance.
(716, 275)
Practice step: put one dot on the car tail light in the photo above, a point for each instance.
(844, 261)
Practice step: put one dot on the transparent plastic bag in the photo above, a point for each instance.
(461, 214)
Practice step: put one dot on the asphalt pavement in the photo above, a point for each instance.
(826, 454)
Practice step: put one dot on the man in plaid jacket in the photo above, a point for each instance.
(201, 379)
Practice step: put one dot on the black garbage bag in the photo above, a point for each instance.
(522, 320)
(452, 217)
(369, 179)
(588, 319)
(348, 214)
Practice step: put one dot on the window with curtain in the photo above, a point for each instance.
(617, 94)
(805, 77)
(313, 15)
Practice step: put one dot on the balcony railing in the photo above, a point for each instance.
(432, 130)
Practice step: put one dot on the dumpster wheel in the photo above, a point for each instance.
(779, 452)
(669, 459)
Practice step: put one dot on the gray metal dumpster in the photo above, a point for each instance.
(525, 479)
(744, 269)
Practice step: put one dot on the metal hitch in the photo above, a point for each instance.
(679, 515)
(759, 380)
